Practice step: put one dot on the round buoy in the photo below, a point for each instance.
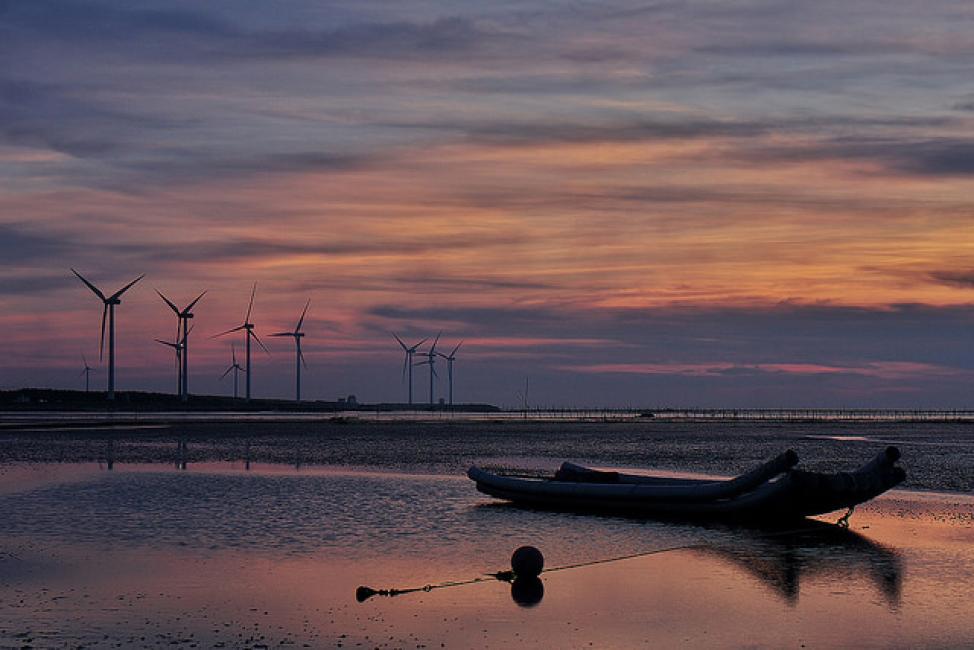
(527, 561)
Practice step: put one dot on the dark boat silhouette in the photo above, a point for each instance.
(772, 492)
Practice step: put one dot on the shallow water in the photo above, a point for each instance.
(151, 556)
(937, 456)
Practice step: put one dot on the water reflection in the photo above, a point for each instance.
(182, 454)
(778, 559)
(781, 560)
(109, 454)
(528, 591)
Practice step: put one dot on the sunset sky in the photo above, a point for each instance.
(763, 203)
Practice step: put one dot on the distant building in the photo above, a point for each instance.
(348, 401)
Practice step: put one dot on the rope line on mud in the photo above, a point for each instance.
(363, 593)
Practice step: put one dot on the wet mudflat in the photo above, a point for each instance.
(937, 455)
(216, 555)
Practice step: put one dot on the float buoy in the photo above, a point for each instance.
(527, 562)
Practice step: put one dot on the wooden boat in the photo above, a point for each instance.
(774, 491)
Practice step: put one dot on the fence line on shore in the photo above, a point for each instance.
(729, 414)
(540, 414)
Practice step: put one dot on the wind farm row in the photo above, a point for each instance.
(180, 346)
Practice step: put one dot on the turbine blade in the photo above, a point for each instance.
(125, 288)
(89, 285)
(251, 306)
(83, 371)
(301, 320)
(435, 341)
(419, 344)
(233, 353)
(282, 334)
(301, 356)
(227, 372)
(405, 367)
(101, 348)
(400, 341)
(452, 354)
(193, 304)
(235, 329)
(168, 302)
(259, 342)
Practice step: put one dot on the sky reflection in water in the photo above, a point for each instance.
(215, 555)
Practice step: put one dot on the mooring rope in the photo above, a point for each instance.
(364, 593)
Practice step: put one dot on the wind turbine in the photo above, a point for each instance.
(248, 327)
(297, 334)
(431, 361)
(178, 346)
(108, 312)
(86, 372)
(235, 367)
(408, 362)
(182, 329)
(450, 358)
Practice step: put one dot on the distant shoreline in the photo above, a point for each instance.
(48, 400)
(70, 406)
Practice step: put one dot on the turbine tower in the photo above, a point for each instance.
(408, 362)
(248, 327)
(109, 312)
(235, 367)
(450, 358)
(431, 362)
(86, 372)
(182, 330)
(298, 335)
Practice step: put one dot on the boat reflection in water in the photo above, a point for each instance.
(782, 559)
(817, 551)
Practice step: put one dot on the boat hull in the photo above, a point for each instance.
(793, 494)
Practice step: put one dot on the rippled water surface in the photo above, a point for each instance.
(216, 555)
(937, 455)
